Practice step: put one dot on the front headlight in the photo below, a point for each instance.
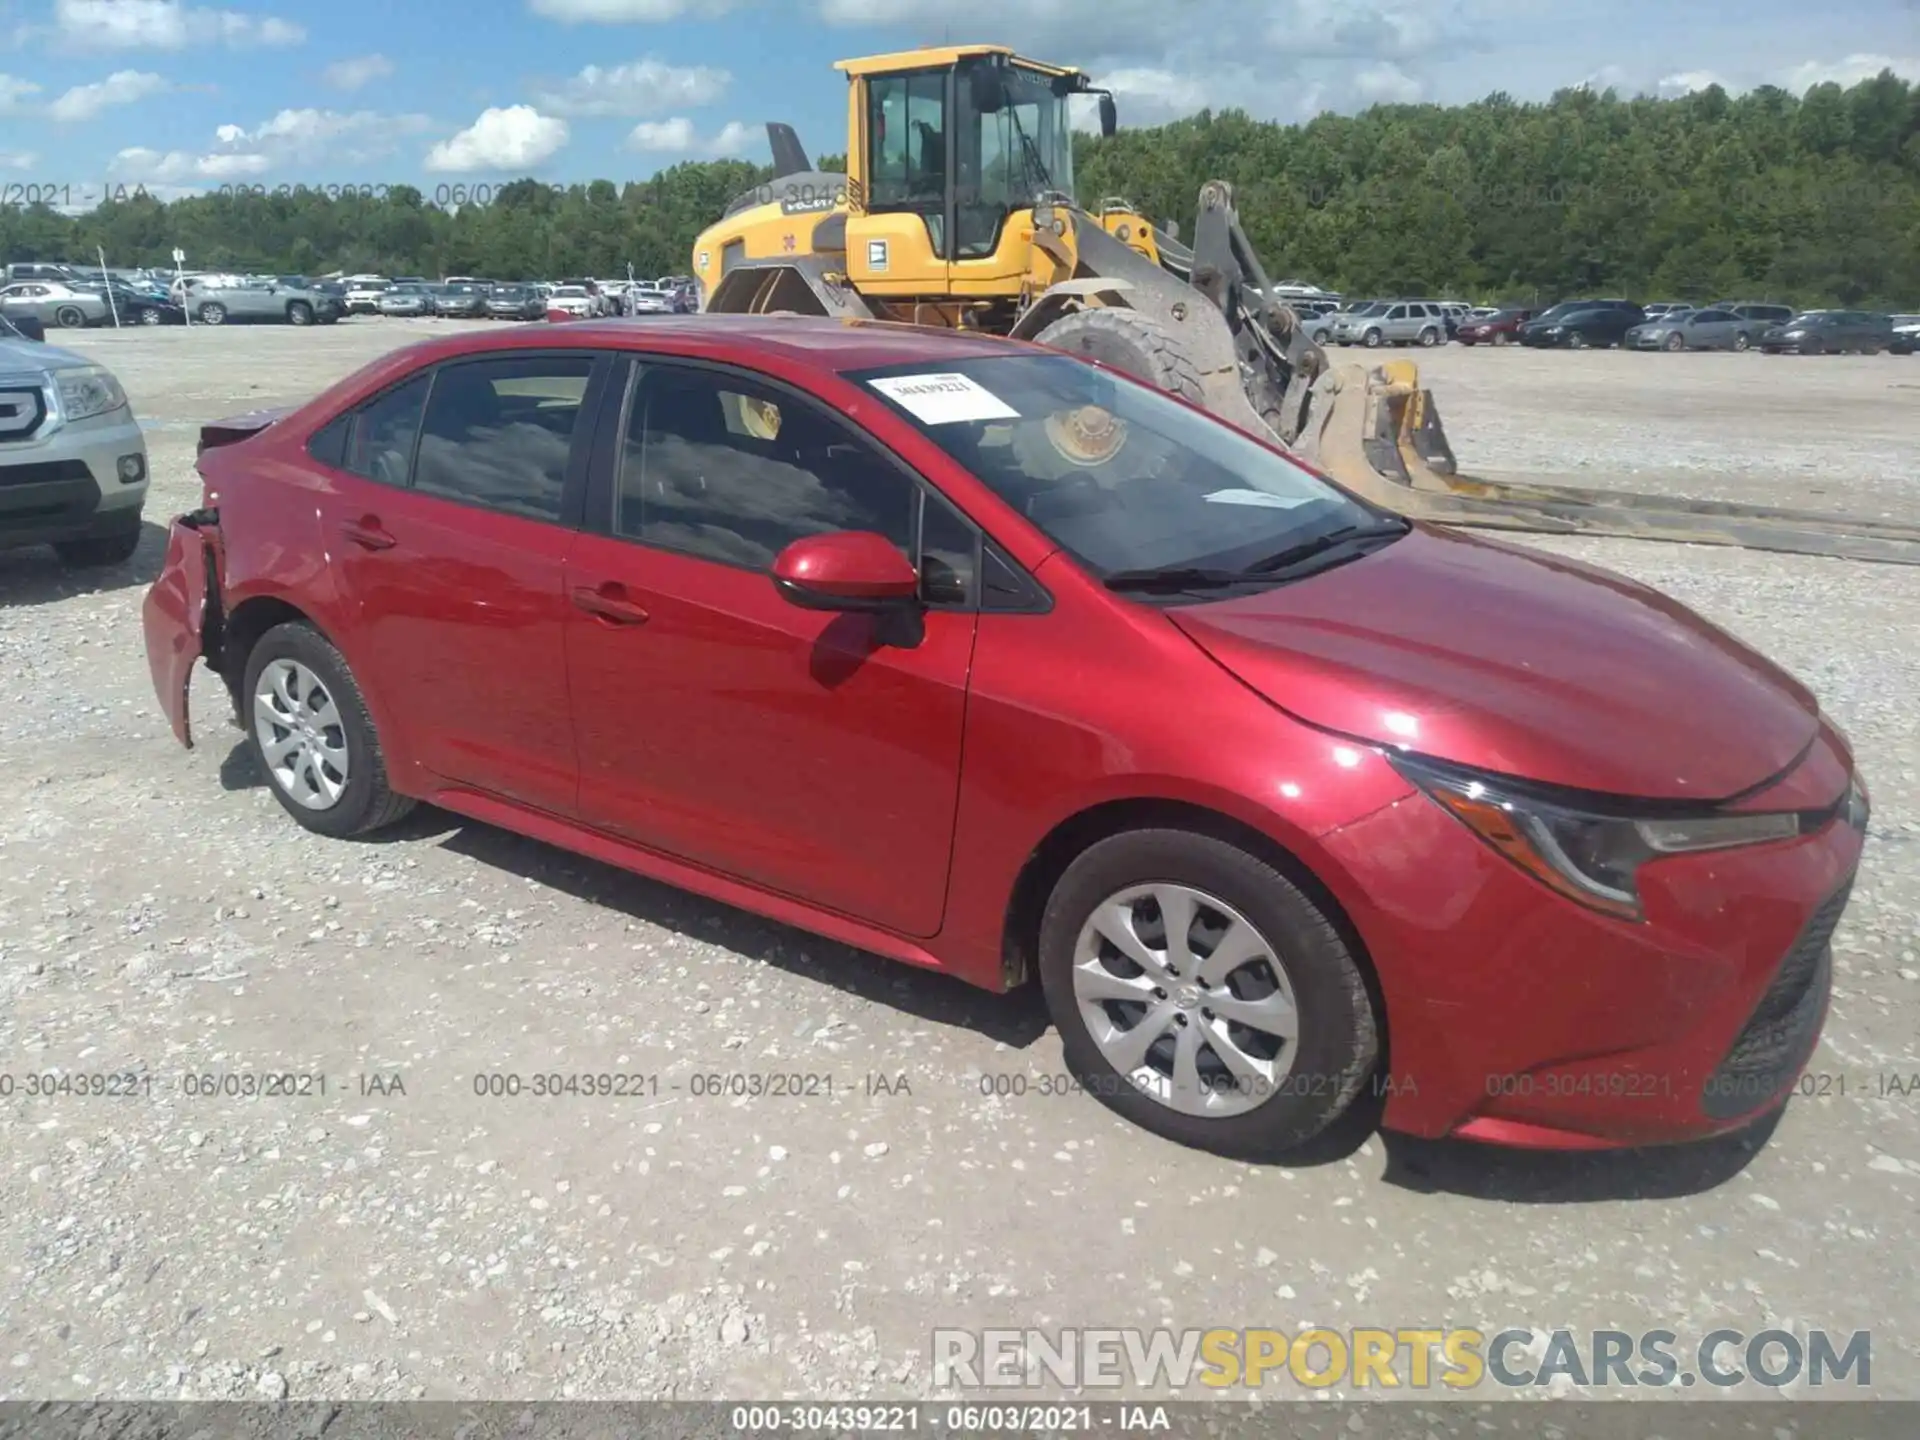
(1586, 855)
(88, 391)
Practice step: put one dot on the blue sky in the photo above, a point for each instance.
(183, 96)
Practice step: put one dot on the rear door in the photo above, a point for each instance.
(812, 753)
(452, 512)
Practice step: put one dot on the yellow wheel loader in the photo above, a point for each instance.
(957, 208)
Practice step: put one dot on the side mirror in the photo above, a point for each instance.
(1109, 116)
(847, 570)
(986, 89)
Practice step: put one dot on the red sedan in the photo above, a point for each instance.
(1500, 328)
(997, 662)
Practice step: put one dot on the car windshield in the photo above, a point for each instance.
(571, 292)
(1378, 307)
(1119, 474)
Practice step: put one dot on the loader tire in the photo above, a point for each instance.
(1129, 342)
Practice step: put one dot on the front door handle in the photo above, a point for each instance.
(609, 602)
(368, 533)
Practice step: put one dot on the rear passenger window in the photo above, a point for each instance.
(500, 433)
(380, 442)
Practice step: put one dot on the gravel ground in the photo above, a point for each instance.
(402, 1236)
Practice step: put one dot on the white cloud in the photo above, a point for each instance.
(351, 74)
(142, 166)
(304, 138)
(679, 136)
(17, 159)
(1688, 82)
(640, 87)
(13, 90)
(1387, 83)
(623, 12)
(123, 87)
(514, 137)
(167, 25)
(1848, 72)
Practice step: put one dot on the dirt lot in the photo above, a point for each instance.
(158, 912)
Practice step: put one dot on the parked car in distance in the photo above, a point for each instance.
(1400, 322)
(1549, 327)
(1906, 334)
(73, 459)
(461, 300)
(1656, 309)
(1692, 330)
(262, 300)
(515, 302)
(1497, 327)
(572, 302)
(146, 307)
(1599, 327)
(645, 299)
(406, 298)
(1830, 332)
(1419, 783)
(55, 305)
(363, 296)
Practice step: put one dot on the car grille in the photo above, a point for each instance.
(1777, 1036)
(22, 409)
(45, 472)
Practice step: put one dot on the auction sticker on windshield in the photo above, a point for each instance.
(944, 399)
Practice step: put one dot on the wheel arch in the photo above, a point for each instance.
(1079, 832)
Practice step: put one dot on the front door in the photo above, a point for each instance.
(815, 754)
(448, 521)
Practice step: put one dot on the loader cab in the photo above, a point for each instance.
(949, 151)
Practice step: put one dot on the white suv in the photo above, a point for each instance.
(73, 460)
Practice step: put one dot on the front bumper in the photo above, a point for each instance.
(1518, 1018)
(68, 486)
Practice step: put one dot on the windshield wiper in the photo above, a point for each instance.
(1332, 539)
(1174, 578)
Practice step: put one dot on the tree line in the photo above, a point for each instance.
(1811, 199)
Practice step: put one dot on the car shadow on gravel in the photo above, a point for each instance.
(36, 576)
(1016, 1020)
(1580, 1177)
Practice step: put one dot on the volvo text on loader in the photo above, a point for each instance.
(958, 208)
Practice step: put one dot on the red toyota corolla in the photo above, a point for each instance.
(997, 662)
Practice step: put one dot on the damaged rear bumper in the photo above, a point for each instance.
(181, 615)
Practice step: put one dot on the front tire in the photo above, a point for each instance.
(1245, 1031)
(213, 313)
(1130, 342)
(299, 313)
(1372, 339)
(1676, 342)
(97, 552)
(151, 317)
(1742, 341)
(1501, 337)
(312, 736)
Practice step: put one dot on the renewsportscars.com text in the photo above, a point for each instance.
(1384, 1359)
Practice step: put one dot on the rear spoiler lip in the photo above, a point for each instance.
(235, 428)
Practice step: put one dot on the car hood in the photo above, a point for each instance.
(1516, 662)
(36, 355)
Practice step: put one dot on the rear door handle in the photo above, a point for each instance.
(368, 533)
(610, 603)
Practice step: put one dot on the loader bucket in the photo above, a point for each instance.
(1377, 432)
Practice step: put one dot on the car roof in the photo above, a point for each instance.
(812, 342)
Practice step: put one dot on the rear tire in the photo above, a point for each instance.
(70, 317)
(1130, 342)
(1296, 963)
(326, 768)
(1429, 337)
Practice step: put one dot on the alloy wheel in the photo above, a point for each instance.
(302, 736)
(1186, 998)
